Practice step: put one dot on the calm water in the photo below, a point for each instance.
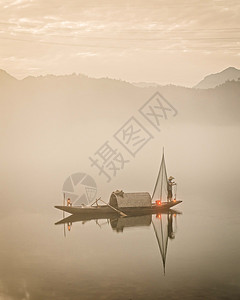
(95, 261)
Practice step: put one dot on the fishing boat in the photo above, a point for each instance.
(128, 204)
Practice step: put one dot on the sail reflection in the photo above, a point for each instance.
(164, 225)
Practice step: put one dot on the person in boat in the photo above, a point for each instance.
(69, 203)
(170, 184)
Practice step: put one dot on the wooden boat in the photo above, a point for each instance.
(106, 209)
(126, 204)
(74, 218)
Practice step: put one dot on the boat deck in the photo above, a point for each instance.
(105, 209)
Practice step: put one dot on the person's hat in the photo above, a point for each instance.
(170, 178)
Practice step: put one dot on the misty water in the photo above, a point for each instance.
(93, 260)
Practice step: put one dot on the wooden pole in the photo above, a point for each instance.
(96, 201)
(120, 212)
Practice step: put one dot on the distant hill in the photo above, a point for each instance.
(213, 80)
(91, 100)
(145, 84)
(6, 78)
(51, 125)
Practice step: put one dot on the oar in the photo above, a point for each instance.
(96, 201)
(117, 210)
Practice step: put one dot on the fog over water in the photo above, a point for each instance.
(48, 139)
(170, 72)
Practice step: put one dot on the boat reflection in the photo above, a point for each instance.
(118, 224)
(164, 225)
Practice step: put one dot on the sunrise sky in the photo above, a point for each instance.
(166, 41)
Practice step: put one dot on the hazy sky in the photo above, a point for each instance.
(165, 41)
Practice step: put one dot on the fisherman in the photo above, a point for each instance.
(69, 203)
(170, 184)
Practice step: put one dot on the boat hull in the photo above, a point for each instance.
(100, 216)
(104, 209)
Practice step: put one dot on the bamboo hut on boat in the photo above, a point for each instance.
(119, 199)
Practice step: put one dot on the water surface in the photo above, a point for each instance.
(94, 260)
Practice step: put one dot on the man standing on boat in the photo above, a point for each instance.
(170, 184)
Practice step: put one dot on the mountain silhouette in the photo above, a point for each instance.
(5, 78)
(84, 99)
(53, 124)
(214, 80)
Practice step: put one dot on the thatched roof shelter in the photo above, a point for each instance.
(119, 199)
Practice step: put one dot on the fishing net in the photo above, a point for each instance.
(160, 190)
